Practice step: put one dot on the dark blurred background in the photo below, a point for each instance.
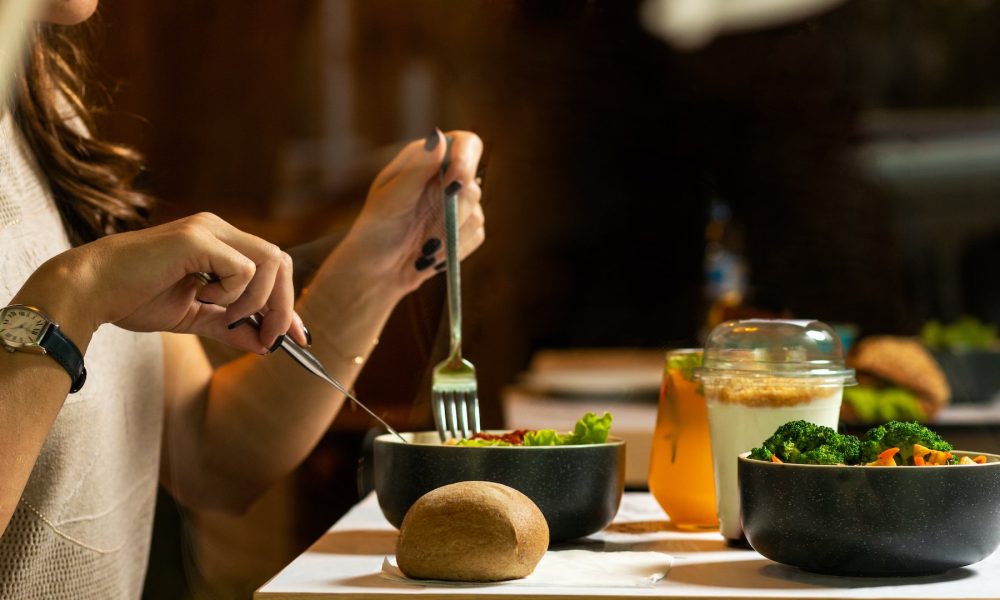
(850, 164)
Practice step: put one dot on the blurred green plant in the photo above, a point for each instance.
(966, 333)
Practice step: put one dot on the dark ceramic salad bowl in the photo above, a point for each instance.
(577, 487)
(872, 520)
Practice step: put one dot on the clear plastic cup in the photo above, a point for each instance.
(757, 375)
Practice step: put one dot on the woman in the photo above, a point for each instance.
(78, 473)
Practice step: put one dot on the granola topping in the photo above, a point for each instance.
(764, 392)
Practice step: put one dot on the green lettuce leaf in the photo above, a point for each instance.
(544, 437)
(591, 429)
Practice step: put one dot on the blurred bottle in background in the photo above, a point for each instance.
(726, 272)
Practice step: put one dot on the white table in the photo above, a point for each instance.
(346, 562)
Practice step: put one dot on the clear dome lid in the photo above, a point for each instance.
(776, 348)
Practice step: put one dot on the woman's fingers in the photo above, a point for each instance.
(403, 213)
(232, 270)
(210, 321)
(471, 219)
(258, 292)
(262, 280)
(415, 164)
(466, 150)
(280, 318)
(415, 167)
(472, 233)
(469, 197)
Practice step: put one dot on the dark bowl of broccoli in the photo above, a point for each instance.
(815, 499)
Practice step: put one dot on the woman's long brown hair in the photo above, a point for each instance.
(91, 180)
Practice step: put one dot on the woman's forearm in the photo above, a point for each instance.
(33, 387)
(264, 414)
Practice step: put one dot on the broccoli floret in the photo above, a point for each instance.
(761, 454)
(807, 443)
(902, 435)
(845, 451)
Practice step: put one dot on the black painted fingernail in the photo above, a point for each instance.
(204, 301)
(433, 138)
(431, 246)
(276, 344)
(236, 324)
(423, 262)
(441, 265)
(309, 336)
(453, 188)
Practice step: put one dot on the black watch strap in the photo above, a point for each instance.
(59, 347)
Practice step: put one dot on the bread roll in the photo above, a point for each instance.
(472, 531)
(905, 363)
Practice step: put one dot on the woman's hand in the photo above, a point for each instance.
(401, 225)
(143, 281)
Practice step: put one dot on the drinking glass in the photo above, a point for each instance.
(680, 465)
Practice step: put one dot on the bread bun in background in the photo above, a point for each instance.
(884, 361)
(472, 531)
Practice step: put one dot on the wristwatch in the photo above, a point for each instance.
(25, 328)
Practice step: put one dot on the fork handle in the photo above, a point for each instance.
(454, 273)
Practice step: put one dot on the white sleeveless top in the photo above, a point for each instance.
(82, 528)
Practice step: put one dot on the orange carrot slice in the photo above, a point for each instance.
(889, 453)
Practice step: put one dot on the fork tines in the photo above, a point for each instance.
(456, 413)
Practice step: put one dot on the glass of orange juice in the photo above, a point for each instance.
(680, 467)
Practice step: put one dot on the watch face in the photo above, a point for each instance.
(21, 327)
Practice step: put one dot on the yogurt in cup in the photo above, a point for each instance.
(759, 374)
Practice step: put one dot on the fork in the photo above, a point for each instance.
(453, 391)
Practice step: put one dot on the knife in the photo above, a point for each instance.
(308, 361)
